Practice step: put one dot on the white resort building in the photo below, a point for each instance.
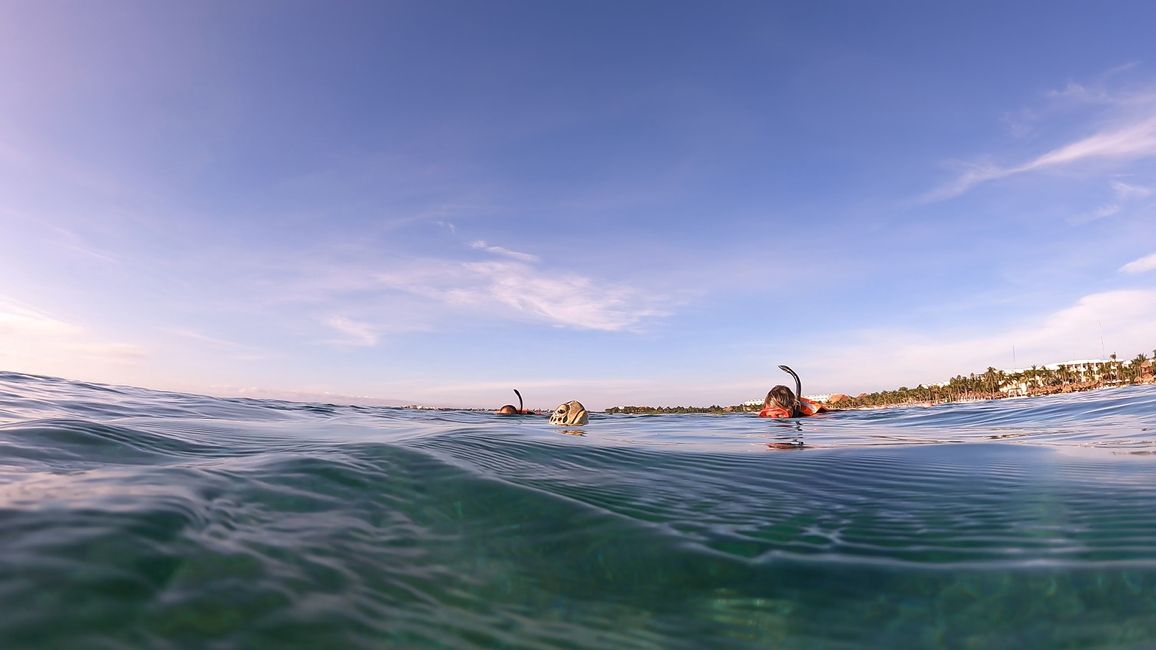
(1020, 381)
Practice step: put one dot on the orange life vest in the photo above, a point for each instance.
(806, 408)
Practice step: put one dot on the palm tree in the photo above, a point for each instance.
(991, 375)
(1135, 366)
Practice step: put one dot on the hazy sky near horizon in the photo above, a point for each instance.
(629, 202)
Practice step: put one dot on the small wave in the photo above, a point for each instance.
(82, 443)
(142, 519)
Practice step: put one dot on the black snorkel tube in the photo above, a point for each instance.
(796, 408)
(520, 409)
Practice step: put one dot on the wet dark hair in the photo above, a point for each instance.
(781, 396)
(508, 409)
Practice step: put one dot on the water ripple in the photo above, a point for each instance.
(140, 519)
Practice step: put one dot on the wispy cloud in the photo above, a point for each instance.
(1080, 92)
(567, 299)
(1128, 141)
(1020, 123)
(17, 319)
(32, 338)
(74, 243)
(203, 338)
(886, 359)
(1126, 192)
(1146, 263)
(504, 252)
(405, 294)
(233, 349)
(1124, 129)
(1102, 212)
(354, 333)
(973, 174)
(521, 290)
(1098, 90)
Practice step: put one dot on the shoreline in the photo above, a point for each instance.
(842, 405)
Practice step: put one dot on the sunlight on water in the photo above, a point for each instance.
(134, 518)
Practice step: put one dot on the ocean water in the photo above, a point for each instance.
(138, 519)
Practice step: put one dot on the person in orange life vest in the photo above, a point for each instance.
(781, 403)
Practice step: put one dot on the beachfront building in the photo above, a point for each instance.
(1062, 377)
(1025, 381)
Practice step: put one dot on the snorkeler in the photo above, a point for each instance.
(782, 403)
(508, 409)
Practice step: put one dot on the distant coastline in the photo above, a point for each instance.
(1049, 379)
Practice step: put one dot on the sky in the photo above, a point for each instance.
(616, 202)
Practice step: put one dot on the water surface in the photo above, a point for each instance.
(134, 518)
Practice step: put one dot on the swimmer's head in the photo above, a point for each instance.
(781, 397)
(509, 409)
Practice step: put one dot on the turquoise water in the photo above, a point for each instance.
(131, 518)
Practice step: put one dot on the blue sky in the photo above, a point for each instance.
(642, 202)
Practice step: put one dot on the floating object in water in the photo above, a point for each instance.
(794, 444)
(569, 414)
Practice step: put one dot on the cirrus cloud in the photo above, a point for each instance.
(1146, 263)
(523, 291)
(505, 252)
(354, 333)
(1111, 321)
(365, 299)
(1127, 141)
(1122, 129)
(31, 338)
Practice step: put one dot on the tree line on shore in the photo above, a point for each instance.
(997, 384)
(714, 408)
(990, 384)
